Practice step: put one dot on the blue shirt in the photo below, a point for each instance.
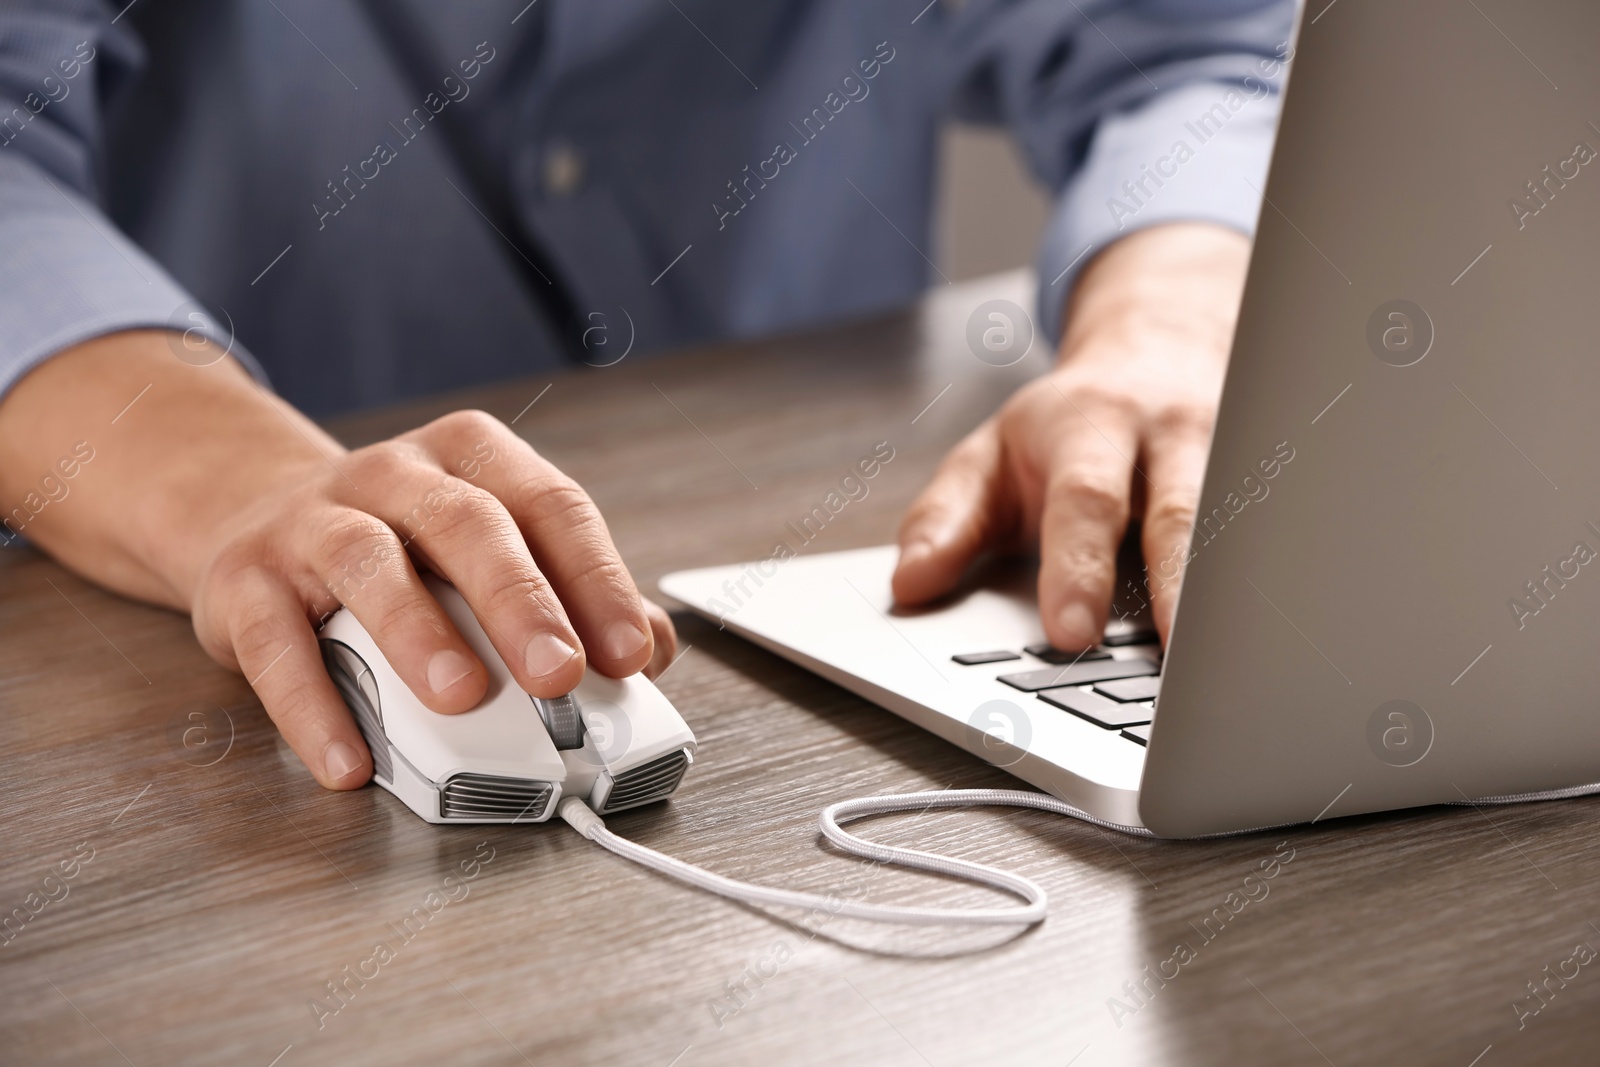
(271, 174)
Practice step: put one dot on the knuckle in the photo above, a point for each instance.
(1082, 569)
(296, 706)
(1049, 385)
(416, 522)
(1093, 498)
(466, 423)
(233, 564)
(397, 614)
(462, 509)
(1183, 418)
(1171, 512)
(355, 542)
(1106, 400)
(1039, 395)
(255, 632)
(519, 593)
(560, 501)
(601, 566)
(385, 463)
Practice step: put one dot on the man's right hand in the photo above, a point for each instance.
(211, 496)
(1121, 428)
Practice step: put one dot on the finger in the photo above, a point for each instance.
(960, 512)
(276, 650)
(1176, 462)
(362, 563)
(464, 534)
(567, 535)
(1084, 516)
(665, 636)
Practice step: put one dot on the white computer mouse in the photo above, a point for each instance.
(616, 743)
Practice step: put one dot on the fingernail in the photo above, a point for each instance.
(621, 640)
(339, 761)
(1077, 621)
(915, 553)
(546, 653)
(447, 667)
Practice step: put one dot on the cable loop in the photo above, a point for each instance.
(1033, 910)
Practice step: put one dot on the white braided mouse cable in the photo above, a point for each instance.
(578, 814)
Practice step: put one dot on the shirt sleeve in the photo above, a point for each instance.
(67, 273)
(1133, 113)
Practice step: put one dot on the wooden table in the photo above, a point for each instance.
(216, 890)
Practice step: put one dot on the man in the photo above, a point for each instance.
(362, 200)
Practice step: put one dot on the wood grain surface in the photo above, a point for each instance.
(215, 890)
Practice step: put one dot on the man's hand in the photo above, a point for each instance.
(213, 497)
(1120, 428)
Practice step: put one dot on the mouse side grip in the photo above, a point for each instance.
(346, 668)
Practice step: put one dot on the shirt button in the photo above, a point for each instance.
(563, 169)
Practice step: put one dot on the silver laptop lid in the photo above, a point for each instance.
(1394, 595)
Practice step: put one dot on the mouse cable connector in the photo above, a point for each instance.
(582, 818)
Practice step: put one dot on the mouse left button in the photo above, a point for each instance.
(356, 684)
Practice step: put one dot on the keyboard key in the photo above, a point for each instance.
(1079, 674)
(1138, 629)
(1139, 734)
(1097, 709)
(972, 659)
(1058, 657)
(1128, 690)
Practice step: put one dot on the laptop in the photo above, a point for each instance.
(1394, 593)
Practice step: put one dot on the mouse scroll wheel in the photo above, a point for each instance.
(563, 720)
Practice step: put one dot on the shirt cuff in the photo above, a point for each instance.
(1197, 154)
(69, 275)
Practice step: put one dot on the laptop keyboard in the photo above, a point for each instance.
(1141, 734)
(1114, 694)
(1103, 670)
(1087, 704)
(1058, 657)
(1127, 690)
(973, 659)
